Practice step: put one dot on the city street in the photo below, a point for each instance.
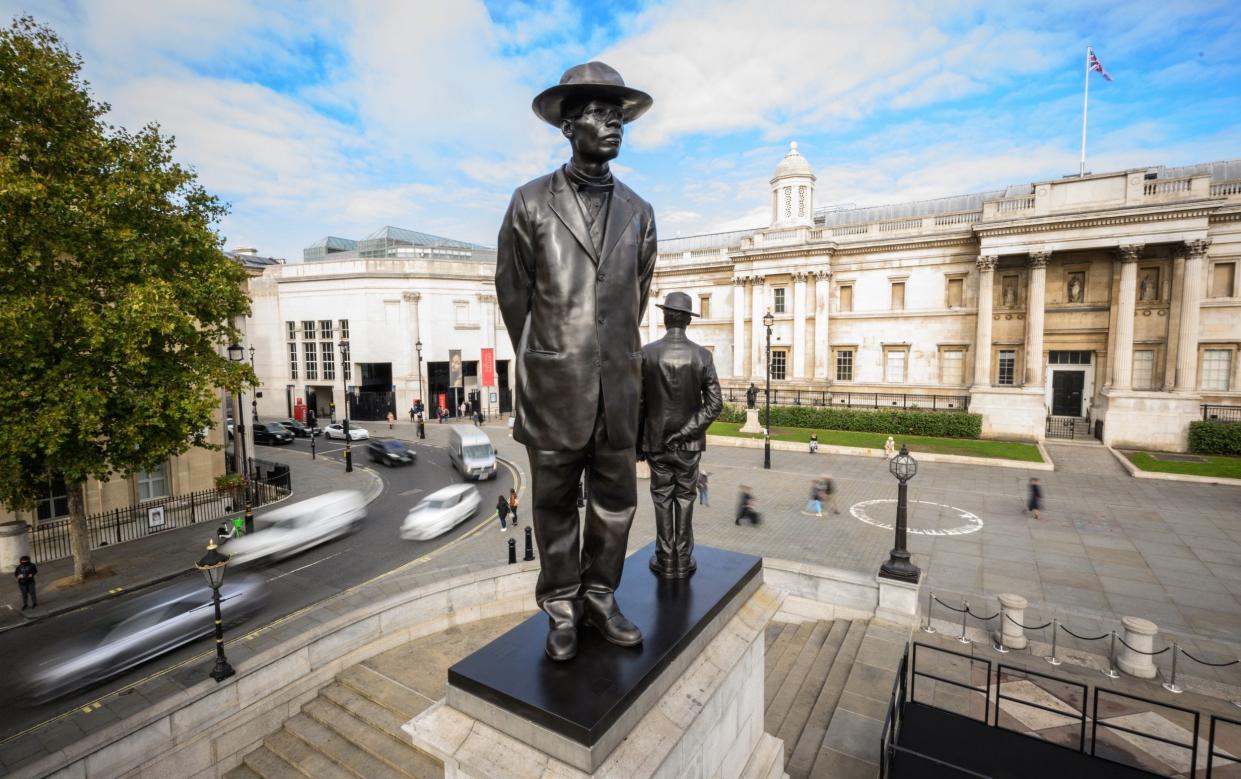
(295, 583)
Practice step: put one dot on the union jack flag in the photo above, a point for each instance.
(1097, 66)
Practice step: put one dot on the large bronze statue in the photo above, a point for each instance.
(575, 257)
(680, 400)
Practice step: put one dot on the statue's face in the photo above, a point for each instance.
(596, 132)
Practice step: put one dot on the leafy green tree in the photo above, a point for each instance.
(115, 298)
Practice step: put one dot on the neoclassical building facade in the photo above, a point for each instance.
(1109, 298)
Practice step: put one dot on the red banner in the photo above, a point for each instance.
(489, 368)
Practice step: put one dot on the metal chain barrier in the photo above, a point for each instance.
(952, 608)
(1009, 617)
(984, 619)
(1083, 638)
(1185, 652)
(1139, 651)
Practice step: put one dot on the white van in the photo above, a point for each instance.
(287, 530)
(471, 452)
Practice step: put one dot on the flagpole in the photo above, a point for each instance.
(1081, 171)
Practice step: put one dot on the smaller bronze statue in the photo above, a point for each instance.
(680, 400)
(751, 396)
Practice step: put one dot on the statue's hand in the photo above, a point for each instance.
(674, 441)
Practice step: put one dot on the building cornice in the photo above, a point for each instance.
(1161, 213)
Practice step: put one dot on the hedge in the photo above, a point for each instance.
(941, 424)
(1215, 437)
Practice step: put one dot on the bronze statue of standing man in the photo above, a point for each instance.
(575, 257)
(680, 400)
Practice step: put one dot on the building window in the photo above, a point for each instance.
(329, 361)
(1216, 369)
(704, 306)
(292, 361)
(952, 367)
(152, 484)
(461, 312)
(894, 366)
(1143, 369)
(291, 327)
(325, 329)
(844, 365)
(308, 330)
(779, 362)
(1008, 367)
(344, 329)
(777, 300)
(54, 502)
(955, 292)
(1068, 358)
(846, 298)
(312, 361)
(346, 367)
(1223, 279)
(898, 296)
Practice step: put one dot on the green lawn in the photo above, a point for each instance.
(1215, 465)
(1005, 450)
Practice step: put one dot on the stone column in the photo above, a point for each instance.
(822, 304)
(1191, 299)
(799, 326)
(652, 323)
(1126, 304)
(1035, 300)
(739, 328)
(758, 334)
(411, 301)
(982, 329)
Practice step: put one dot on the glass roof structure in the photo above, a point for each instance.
(397, 243)
(328, 245)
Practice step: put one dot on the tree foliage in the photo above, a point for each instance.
(114, 295)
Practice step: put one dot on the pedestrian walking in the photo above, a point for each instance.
(703, 488)
(443, 412)
(422, 427)
(391, 419)
(814, 442)
(25, 574)
(478, 419)
(828, 488)
(502, 512)
(889, 448)
(815, 504)
(746, 507)
(1035, 502)
(311, 421)
(461, 409)
(413, 412)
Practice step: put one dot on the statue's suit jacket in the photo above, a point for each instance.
(573, 313)
(680, 393)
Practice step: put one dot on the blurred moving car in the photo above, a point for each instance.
(136, 630)
(440, 512)
(287, 530)
(391, 452)
(470, 452)
(271, 433)
(337, 430)
(299, 429)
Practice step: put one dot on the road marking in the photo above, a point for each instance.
(307, 565)
(973, 523)
(407, 493)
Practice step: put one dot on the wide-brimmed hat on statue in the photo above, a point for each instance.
(677, 301)
(591, 80)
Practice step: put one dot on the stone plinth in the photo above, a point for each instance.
(1014, 413)
(1140, 634)
(751, 422)
(1147, 420)
(898, 601)
(1012, 615)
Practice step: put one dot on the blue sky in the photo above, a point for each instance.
(339, 118)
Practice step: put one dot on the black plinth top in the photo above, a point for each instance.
(580, 699)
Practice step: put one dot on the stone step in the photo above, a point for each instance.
(782, 703)
(304, 756)
(242, 771)
(366, 710)
(808, 692)
(803, 753)
(766, 761)
(390, 694)
(770, 634)
(270, 765)
(341, 749)
(775, 678)
(396, 752)
(784, 634)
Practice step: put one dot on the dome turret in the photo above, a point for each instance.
(792, 191)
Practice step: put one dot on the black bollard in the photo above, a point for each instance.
(512, 551)
(529, 545)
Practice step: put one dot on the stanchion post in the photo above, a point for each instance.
(1171, 685)
(529, 545)
(1111, 671)
(930, 599)
(1000, 647)
(1055, 635)
(965, 613)
(512, 551)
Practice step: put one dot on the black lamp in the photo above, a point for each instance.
(212, 565)
(768, 320)
(903, 467)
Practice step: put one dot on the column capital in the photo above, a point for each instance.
(800, 276)
(740, 281)
(986, 262)
(1196, 250)
(1132, 252)
(821, 273)
(486, 297)
(1039, 259)
(411, 297)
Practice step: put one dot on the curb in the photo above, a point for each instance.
(1138, 473)
(857, 451)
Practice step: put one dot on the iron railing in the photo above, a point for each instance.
(1062, 427)
(1190, 746)
(1221, 413)
(886, 401)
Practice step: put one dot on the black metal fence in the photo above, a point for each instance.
(1064, 427)
(1221, 413)
(50, 540)
(887, 401)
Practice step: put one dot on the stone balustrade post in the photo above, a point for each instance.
(1139, 634)
(1012, 612)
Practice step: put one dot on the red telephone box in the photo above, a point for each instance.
(299, 410)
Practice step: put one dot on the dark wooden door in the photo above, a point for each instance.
(1066, 393)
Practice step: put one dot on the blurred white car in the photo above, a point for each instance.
(291, 529)
(440, 512)
(337, 430)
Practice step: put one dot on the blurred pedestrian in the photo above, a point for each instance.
(222, 534)
(815, 504)
(413, 412)
(25, 574)
(422, 427)
(502, 512)
(814, 442)
(443, 412)
(703, 488)
(512, 505)
(478, 419)
(391, 419)
(1035, 502)
(828, 488)
(746, 507)
(889, 448)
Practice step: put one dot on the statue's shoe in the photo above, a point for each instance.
(616, 628)
(562, 642)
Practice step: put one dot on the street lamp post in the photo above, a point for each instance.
(236, 354)
(898, 566)
(344, 348)
(254, 396)
(422, 413)
(212, 565)
(768, 320)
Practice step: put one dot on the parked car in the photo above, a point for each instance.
(291, 529)
(391, 452)
(337, 430)
(299, 429)
(134, 631)
(271, 433)
(440, 512)
(471, 453)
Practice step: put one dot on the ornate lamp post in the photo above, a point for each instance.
(768, 320)
(212, 565)
(254, 396)
(898, 567)
(344, 350)
(422, 413)
(236, 354)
